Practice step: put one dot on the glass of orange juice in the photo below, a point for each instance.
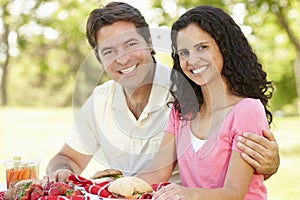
(18, 169)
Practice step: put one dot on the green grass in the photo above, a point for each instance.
(40, 132)
(36, 133)
(285, 184)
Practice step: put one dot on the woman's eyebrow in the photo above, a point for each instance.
(200, 43)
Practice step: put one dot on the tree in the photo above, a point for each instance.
(42, 46)
(10, 23)
(285, 49)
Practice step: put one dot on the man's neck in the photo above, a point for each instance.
(138, 99)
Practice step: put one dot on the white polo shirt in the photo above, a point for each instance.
(106, 128)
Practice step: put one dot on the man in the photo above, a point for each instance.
(121, 123)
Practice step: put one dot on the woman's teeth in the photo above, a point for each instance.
(199, 70)
(130, 69)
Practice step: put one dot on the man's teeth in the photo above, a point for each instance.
(199, 70)
(130, 69)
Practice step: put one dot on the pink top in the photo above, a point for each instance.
(207, 167)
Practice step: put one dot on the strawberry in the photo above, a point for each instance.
(37, 187)
(37, 192)
(55, 191)
(62, 186)
(69, 192)
(34, 195)
(72, 192)
(48, 185)
(77, 192)
(24, 193)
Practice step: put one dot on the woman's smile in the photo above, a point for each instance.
(199, 71)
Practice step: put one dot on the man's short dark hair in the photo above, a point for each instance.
(111, 13)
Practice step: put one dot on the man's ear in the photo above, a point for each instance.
(150, 45)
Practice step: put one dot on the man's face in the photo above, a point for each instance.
(124, 53)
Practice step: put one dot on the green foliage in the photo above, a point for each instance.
(272, 43)
(166, 17)
(51, 49)
(45, 68)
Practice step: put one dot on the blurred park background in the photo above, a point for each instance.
(43, 47)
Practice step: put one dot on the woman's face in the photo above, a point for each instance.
(199, 55)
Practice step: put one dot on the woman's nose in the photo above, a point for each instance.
(193, 58)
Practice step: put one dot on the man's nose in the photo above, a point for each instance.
(123, 58)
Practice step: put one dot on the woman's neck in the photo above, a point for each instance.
(217, 97)
(217, 102)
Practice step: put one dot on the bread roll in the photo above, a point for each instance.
(129, 187)
(107, 173)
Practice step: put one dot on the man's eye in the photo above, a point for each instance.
(107, 52)
(131, 44)
(184, 53)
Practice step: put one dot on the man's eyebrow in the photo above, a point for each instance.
(108, 48)
(105, 48)
(131, 39)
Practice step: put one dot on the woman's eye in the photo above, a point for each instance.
(201, 47)
(184, 53)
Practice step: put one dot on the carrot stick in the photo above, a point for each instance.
(9, 176)
(27, 173)
(16, 174)
(21, 173)
(33, 173)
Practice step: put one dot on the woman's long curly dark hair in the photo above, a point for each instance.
(242, 71)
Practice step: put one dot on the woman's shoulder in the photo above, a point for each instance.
(249, 102)
(248, 106)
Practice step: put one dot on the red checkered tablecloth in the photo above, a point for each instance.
(99, 189)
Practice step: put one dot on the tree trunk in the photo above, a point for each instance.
(3, 78)
(297, 77)
(4, 72)
(4, 67)
(294, 40)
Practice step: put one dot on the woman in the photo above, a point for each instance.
(220, 92)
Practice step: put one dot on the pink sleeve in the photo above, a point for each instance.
(249, 117)
(172, 122)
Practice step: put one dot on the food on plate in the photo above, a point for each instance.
(18, 186)
(108, 173)
(33, 189)
(60, 189)
(129, 187)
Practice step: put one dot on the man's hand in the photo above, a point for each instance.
(64, 163)
(260, 152)
(60, 175)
